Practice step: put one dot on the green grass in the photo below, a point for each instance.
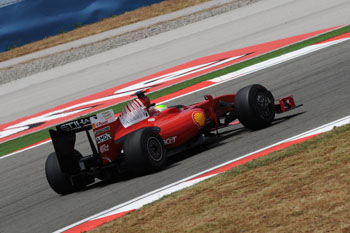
(30, 139)
(12, 46)
(303, 188)
(27, 140)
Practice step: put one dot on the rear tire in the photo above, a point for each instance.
(145, 151)
(58, 180)
(255, 107)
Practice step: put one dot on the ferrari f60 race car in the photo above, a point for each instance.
(144, 134)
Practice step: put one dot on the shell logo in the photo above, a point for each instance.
(199, 118)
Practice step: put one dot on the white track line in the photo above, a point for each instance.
(138, 202)
(263, 65)
(24, 149)
(240, 73)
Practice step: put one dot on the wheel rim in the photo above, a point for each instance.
(154, 148)
(263, 106)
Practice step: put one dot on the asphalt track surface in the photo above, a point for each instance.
(319, 80)
(261, 22)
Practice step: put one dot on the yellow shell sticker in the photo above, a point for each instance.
(199, 118)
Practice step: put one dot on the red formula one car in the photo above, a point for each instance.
(144, 135)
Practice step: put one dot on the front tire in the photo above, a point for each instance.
(255, 107)
(145, 151)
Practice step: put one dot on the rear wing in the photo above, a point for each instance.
(63, 140)
(75, 126)
(64, 137)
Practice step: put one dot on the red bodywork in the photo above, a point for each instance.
(140, 129)
(177, 125)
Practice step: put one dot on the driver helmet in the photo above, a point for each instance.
(161, 107)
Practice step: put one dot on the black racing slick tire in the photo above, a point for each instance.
(255, 107)
(145, 151)
(58, 180)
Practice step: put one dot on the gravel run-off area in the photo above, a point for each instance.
(19, 71)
